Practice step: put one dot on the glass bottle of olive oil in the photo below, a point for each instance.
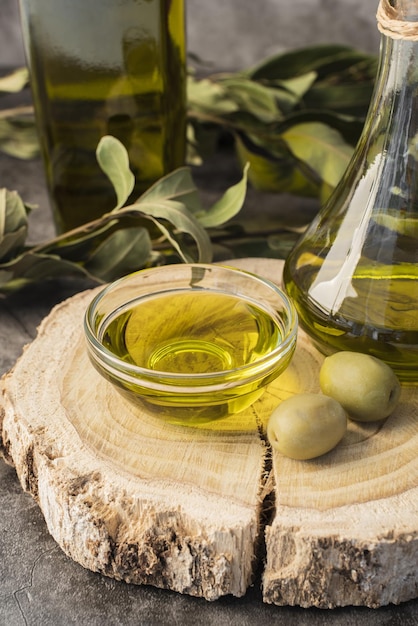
(354, 274)
(103, 67)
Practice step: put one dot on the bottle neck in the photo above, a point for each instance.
(399, 65)
(394, 102)
(407, 10)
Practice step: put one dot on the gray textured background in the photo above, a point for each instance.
(236, 33)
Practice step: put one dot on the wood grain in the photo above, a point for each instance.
(132, 497)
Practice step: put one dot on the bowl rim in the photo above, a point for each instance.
(106, 357)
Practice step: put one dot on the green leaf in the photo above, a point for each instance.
(348, 99)
(349, 127)
(269, 100)
(13, 212)
(178, 186)
(228, 206)
(33, 267)
(124, 251)
(207, 95)
(298, 85)
(77, 245)
(295, 118)
(322, 148)
(318, 58)
(260, 100)
(274, 169)
(277, 246)
(18, 137)
(104, 249)
(13, 223)
(14, 82)
(11, 243)
(113, 159)
(170, 235)
(183, 220)
(193, 156)
(327, 84)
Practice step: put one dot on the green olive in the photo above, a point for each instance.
(306, 425)
(365, 386)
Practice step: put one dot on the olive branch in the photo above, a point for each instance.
(293, 121)
(109, 247)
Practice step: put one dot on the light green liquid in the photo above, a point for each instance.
(196, 333)
(379, 315)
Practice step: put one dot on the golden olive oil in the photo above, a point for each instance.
(105, 68)
(374, 312)
(196, 333)
(192, 333)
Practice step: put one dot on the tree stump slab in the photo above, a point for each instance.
(131, 497)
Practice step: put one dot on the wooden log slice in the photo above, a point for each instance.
(122, 492)
(147, 502)
(345, 530)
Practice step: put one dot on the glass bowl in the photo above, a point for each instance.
(191, 342)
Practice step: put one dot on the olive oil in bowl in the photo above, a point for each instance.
(193, 353)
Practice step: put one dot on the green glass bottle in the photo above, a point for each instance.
(354, 274)
(105, 67)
